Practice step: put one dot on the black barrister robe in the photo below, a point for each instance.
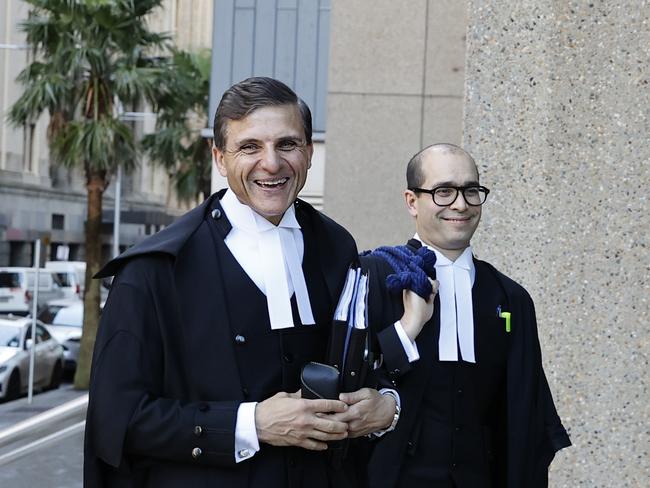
(501, 433)
(172, 363)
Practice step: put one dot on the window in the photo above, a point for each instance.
(9, 280)
(58, 221)
(47, 315)
(62, 279)
(42, 334)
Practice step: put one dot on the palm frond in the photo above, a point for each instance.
(100, 144)
(45, 90)
(165, 146)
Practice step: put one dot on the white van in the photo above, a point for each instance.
(71, 276)
(17, 289)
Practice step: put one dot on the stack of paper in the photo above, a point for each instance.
(348, 343)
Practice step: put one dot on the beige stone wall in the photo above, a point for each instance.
(189, 21)
(395, 84)
(556, 113)
(13, 57)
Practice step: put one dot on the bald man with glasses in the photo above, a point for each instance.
(476, 408)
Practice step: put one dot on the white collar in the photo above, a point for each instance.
(248, 220)
(456, 308)
(465, 260)
(272, 257)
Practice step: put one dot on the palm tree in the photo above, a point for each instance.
(177, 144)
(91, 57)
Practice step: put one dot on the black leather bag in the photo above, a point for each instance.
(319, 380)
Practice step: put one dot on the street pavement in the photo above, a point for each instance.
(54, 464)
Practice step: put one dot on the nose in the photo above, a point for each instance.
(270, 160)
(459, 203)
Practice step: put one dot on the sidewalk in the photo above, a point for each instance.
(41, 445)
(18, 410)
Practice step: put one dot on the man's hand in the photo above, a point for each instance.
(368, 411)
(288, 420)
(417, 311)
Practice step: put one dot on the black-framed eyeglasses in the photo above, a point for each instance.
(444, 196)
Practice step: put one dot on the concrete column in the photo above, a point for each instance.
(556, 114)
(396, 85)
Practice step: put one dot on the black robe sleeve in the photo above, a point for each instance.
(129, 416)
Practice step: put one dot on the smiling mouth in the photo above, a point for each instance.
(270, 184)
(457, 219)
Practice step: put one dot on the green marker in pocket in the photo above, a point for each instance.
(506, 315)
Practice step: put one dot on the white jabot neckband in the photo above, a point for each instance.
(278, 260)
(456, 308)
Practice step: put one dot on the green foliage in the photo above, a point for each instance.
(105, 141)
(91, 58)
(177, 143)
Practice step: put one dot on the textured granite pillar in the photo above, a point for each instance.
(557, 115)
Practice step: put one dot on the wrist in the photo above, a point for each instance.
(393, 402)
(409, 327)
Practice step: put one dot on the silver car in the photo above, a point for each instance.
(15, 341)
(64, 319)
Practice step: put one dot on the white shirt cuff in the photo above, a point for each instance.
(246, 441)
(410, 347)
(395, 395)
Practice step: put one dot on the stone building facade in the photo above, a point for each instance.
(40, 200)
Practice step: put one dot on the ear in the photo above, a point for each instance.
(411, 200)
(217, 157)
(310, 154)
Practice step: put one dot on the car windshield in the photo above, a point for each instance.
(61, 279)
(48, 313)
(9, 336)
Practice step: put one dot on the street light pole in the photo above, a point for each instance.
(32, 349)
(124, 116)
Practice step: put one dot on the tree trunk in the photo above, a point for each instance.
(95, 186)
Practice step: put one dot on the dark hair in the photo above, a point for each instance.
(414, 175)
(245, 97)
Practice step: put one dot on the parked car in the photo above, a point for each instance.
(71, 276)
(65, 318)
(15, 342)
(17, 289)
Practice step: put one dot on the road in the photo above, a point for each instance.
(57, 465)
(50, 457)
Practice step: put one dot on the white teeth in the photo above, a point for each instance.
(271, 184)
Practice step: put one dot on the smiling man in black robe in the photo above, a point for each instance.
(209, 322)
(477, 410)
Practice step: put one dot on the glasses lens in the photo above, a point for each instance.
(444, 195)
(474, 195)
